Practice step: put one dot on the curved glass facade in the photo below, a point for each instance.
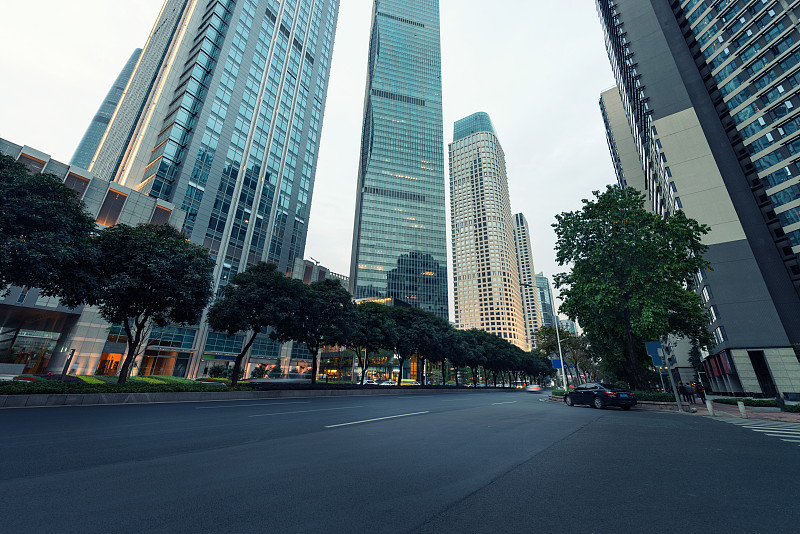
(399, 236)
(94, 134)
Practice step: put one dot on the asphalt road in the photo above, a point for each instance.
(480, 462)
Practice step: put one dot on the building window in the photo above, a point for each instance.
(112, 207)
(719, 334)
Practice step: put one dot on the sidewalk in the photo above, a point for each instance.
(762, 414)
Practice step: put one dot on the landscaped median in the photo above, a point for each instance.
(92, 390)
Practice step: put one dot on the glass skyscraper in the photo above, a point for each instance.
(546, 300)
(399, 236)
(94, 134)
(222, 117)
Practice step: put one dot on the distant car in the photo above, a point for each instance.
(388, 383)
(533, 388)
(370, 382)
(600, 395)
(409, 382)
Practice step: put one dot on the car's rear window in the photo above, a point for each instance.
(612, 386)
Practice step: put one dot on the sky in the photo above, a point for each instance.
(536, 67)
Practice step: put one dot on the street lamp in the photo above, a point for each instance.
(558, 340)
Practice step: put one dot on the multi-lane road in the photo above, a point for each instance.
(472, 462)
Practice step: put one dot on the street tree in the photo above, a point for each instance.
(151, 275)
(322, 315)
(373, 330)
(631, 273)
(45, 235)
(252, 302)
(411, 324)
(430, 342)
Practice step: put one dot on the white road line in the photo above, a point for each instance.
(774, 431)
(792, 440)
(454, 400)
(509, 402)
(305, 411)
(376, 419)
(246, 405)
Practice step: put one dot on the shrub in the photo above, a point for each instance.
(792, 408)
(258, 372)
(557, 393)
(218, 371)
(654, 396)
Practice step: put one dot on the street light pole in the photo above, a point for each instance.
(561, 356)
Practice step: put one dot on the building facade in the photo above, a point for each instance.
(222, 117)
(97, 128)
(710, 95)
(399, 235)
(621, 145)
(37, 332)
(546, 301)
(485, 269)
(531, 309)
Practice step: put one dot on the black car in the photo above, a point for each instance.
(600, 396)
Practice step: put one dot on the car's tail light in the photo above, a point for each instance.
(612, 393)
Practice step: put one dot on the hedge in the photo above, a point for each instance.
(72, 388)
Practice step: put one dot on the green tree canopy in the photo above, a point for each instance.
(631, 274)
(253, 301)
(373, 330)
(150, 275)
(44, 235)
(322, 315)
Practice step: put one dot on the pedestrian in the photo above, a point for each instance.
(682, 392)
(701, 392)
(690, 394)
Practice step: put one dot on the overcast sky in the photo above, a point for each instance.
(537, 67)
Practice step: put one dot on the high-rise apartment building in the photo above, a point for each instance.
(531, 310)
(710, 94)
(399, 235)
(485, 271)
(222, 117)
(546, 301)
(621, 145)
(97, 128)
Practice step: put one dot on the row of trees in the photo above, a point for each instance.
(150, 275)
(631, 279)
(261, 300)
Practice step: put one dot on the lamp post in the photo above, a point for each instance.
(561, 356)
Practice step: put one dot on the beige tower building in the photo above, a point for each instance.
(485, 271)
(531, 310)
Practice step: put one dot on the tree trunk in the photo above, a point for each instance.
(134, 340)
(364, 365)
(314, 365)
(237, 365)
(636, 366)
(400, 374)
(444, 372)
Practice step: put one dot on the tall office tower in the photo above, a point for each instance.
(621, 144)
(545, 301)
(711, 97)
(485, 273)
(531, 310)
(399, 235)
(230, 127)
(222, 117)
(91, 139)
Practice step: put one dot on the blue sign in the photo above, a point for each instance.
(653, 348)
(556, 364)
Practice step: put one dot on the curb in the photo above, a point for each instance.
(102, 399)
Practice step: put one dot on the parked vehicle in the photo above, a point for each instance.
(388, 383)
(600, 395)
(370, 382)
